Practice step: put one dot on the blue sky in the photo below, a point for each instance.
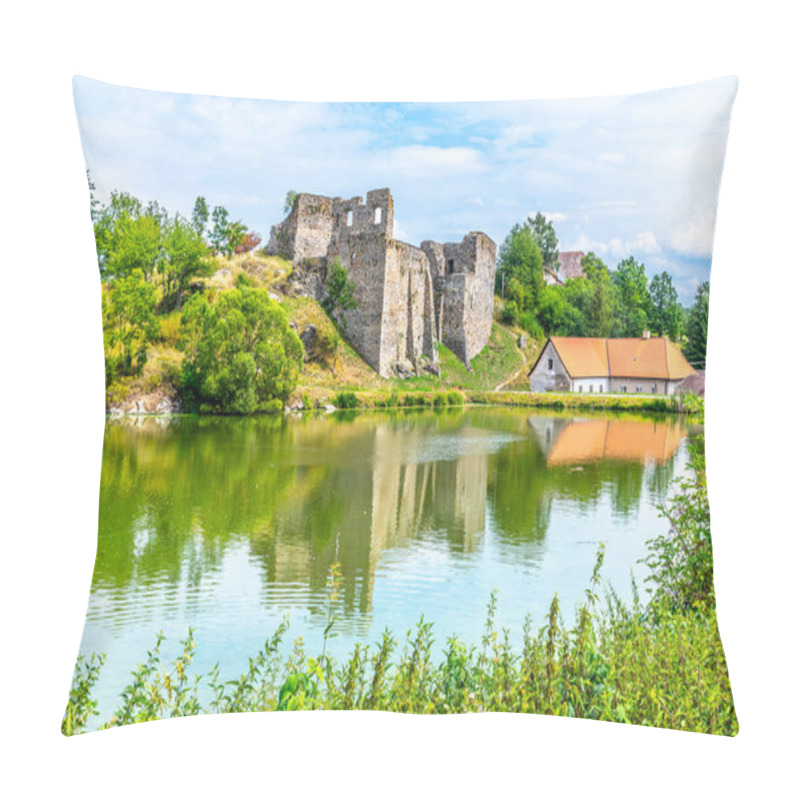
(636, 175)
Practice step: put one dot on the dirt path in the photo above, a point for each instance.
(524, 358)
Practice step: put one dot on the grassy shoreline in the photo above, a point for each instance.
(387, 400)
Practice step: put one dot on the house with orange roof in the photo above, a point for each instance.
(647, 365)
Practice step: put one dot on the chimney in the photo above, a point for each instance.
(645, 334)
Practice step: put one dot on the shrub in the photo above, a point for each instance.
(613, 663)
(681, 560)
(240, 355)
(345, 400)
(510, 313)
(170, 329)
(531, 326)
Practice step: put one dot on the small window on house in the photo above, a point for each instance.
(591, 388)
(639, 389)
(549, 363)
(654, 389)
(349, 219)
(580, 387)
(451, 265)
(378, 215)
(623, 388)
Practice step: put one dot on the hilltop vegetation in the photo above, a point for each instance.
(196, 318)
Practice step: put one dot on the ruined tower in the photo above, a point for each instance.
(409, 298)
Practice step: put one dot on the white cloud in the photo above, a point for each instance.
(430, 161)
(694, 237)
(629, 175)
(641, 245)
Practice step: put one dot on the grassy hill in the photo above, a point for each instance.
(501, 365)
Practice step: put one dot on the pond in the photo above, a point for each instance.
(229, 525)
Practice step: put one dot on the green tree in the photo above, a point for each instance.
(697, 328)
(124, 240)
(94, 203)
(240, 355)
(184, 259)
(557, 316)
(665, 311)
(579, 295)
(546, 238)
(339, 298)
(288, 202)
(129, 324)
(521, 258)
(634, 298)
(200, 216)
(235, 237)
(601, 308)
(132, 243)
(219, 229)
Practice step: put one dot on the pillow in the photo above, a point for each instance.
(405, 407)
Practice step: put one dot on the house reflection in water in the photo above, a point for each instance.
(580, 441)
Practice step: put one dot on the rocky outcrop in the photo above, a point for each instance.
(159, 402)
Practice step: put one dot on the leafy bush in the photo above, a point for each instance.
(129, 324)
(170, 329)
(530, 324)
(510, 313)
(345, 400)
(681, 560)
(613, 663)
(240, 355)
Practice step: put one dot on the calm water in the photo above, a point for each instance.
(228, 525)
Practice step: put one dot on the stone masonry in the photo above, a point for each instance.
(409, 298)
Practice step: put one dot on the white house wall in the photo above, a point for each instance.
(543, 378)
(642, 386)
(590, 385)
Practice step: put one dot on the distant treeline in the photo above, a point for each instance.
(604, 302)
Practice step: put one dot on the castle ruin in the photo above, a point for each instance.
(409, 298)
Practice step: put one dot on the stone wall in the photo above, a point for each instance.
(408, 298)
(466, 278)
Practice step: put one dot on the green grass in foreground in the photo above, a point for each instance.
(664, 669)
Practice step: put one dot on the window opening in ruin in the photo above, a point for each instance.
(451, 265)
(549, 363)
(378, 215)
(349, 219)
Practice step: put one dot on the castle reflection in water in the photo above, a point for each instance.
(302, 494)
